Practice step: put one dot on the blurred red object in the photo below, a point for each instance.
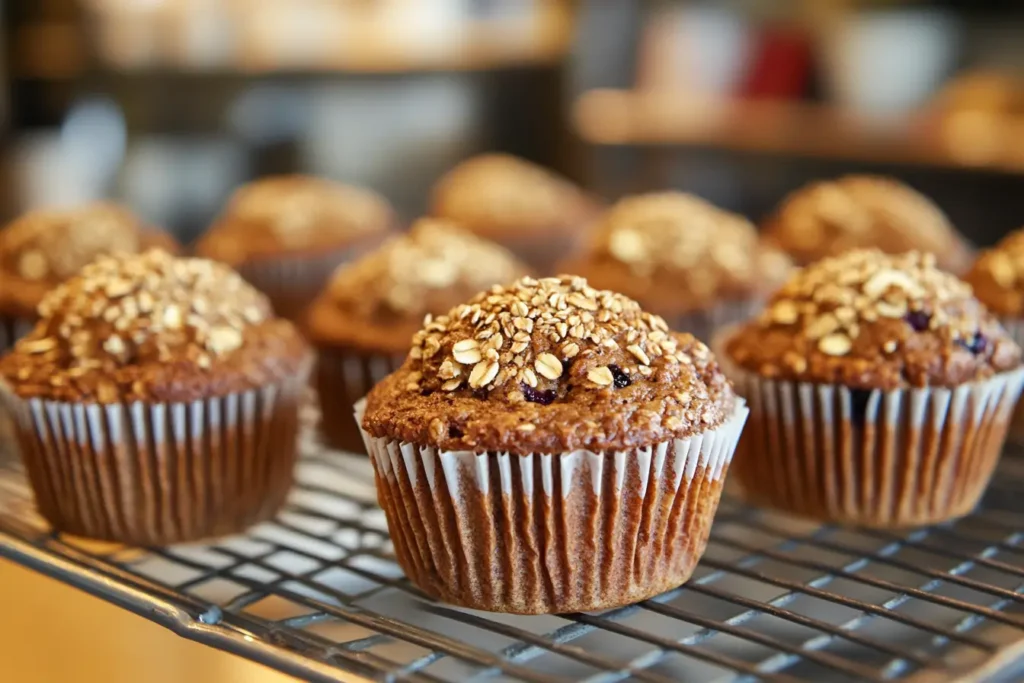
(781, 63)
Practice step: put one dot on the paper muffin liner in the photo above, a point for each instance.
(13, 328)
(1015, 328)
(343, 377)
(705, 324)
(292, 282)
(877, 458)
(543, 533)
(160, 473)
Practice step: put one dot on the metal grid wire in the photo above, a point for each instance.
(317, 593)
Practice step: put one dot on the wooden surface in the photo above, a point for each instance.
(50, 632)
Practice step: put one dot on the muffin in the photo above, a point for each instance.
(156, 401)
(865, 212)
(363, 323)
(548, 447)
(880, 393)
(696, 265)
(539, 216)
(286, 234)
(42, 248)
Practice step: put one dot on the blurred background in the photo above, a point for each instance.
(168, 105)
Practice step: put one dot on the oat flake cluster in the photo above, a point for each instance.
(434, 255)
(53, 245)
(833, 298)
(129, 309)
(521, 334)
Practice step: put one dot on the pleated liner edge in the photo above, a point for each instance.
(343, 377)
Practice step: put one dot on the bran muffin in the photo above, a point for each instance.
(286, 234)
(156, 401)
(363, 323)
(827, 218)
(539, 216)
(42, 248)
(880, 393)
(548, 447)
(697, 266)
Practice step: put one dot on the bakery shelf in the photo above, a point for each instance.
(316, 593)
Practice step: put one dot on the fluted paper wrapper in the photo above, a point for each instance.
(1015, 328)
(343, 377)
(13, 328)
(559, 533)
(160, 473)
(705, 324)
(875, 458)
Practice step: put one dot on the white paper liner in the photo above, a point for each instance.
(343, 377)
(705, 324)
(159, 473)
(12, 329)
(916, 456)
(548, 533)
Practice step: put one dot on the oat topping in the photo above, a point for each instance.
(52, 245)
(687, 236)
(299, 209)
(124, 310)
(831, 301)
(525, 335)
(427, 269)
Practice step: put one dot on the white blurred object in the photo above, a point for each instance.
(701, 48)
(890, 61)
(202, 33)
(45, 175)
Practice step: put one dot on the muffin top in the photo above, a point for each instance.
(875, 321)
(295, 215)
(549, 366)
(151, 327)
(829, 217)
(998, 276)
(43, 248)
(378, 302)
(676, 253)
(498, 193)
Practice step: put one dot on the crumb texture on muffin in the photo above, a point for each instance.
(829, 217)
(499, 192)
(871, 320)
(548, 366)
(998, 276)
(675, 252)
(379, 301)
(152, 327)
(288, 214)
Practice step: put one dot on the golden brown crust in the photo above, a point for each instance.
(508, 199)
(854, 212)
(42, 248)
(998, 276)
(870, 320)
(295, 216)
(152, 327)
(676, 253)
(378, 302)
(545, 367)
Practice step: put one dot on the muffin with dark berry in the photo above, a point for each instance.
(880, 393)
(538, 215)
(286, 234)
(363, 322)
(829, 217)
(548, 447)
(156, 401)
(42, 248)
(698, 266)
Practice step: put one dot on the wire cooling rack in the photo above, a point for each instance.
(317, 593)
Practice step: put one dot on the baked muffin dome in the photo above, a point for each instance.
(379, 301)
(535, 213)
(294, 215)
(676, 253)
(42, 248)
(869, 320)
(829, 217)
(998, 276)
(549, 366)
(151, 327)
